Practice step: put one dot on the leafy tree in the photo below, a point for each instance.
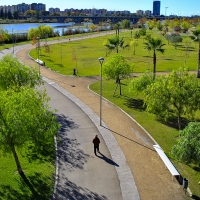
(185, 25)
(4, 35)
(117, 67)
(140, 83)
(14, 74)
(159, 26)
(30, 13)
(25, 118)
(137, 35)
(187, 148)
(175, 38)
(154, 44)
(196, 38)
(126, 24)
(176, 94)
(134, 44)
(16, 15)
(116, 44)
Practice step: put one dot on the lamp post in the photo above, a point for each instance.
(165, 11)
(38, 51)
(13, 39)
(101, 62)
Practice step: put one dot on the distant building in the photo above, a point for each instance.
(156, 8)
(140, 12)
(147, 12)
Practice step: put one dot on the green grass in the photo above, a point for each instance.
(37, 183)
(84, 54)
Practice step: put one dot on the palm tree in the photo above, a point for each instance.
(196, 37)
(117, 26)
(116, 44)
(154, 44)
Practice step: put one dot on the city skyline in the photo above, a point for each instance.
(168, 7)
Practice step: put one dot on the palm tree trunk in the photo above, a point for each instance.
(154, 64)
(19, 168)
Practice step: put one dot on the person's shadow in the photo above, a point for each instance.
(109, 161)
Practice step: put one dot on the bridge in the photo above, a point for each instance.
(97, 19)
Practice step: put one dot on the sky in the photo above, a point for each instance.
(168, 7)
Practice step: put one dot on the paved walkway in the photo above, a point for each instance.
(153, 181)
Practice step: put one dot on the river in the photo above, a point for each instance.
(24, 27)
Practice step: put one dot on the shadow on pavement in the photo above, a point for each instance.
(69, 154)
(128, 138)
(109, 161)
(71, 191)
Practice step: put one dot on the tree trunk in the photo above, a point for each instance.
(198, 72)
(154, 64)
(179, 122)
(19, 168)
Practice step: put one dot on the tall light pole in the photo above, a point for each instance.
(13, 39)
(165, 11)
(38, 51)
(101, 63)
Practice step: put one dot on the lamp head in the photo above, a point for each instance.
(101, 60)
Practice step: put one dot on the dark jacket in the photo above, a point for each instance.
(96, 141)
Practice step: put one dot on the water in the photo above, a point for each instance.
(23, 28)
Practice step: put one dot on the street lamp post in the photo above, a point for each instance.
(38, 51)
(165, 11)
(101, 62)
(13, 39)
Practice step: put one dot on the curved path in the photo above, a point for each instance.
(153, 181)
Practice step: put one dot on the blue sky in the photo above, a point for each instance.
(177, 7)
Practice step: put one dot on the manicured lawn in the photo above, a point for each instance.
(84, 54)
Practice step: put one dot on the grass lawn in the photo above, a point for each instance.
(37, 183)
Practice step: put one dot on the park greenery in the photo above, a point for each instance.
(163, 105)
(27, 129)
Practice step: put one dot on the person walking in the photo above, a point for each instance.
(96, 142)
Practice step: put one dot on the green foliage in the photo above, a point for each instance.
(187, 148)
(140, 83)
(41, 32)
(116, 44)
(14, 74)
(125, 23)
(117, 66)
(174, 38)
(175, 94)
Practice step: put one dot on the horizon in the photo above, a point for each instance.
(168, 7)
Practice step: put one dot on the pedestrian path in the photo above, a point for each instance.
(105, 176)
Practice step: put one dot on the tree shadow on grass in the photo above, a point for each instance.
(35, 187)
(137, 104)
(173, 122)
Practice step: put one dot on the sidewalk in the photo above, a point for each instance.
(152, 179)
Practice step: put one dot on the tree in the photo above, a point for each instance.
(185, 26)
(175, 38)
(117, 67)
(25, 118)
(14, 74)
(140, 83)
(187, 148)
(4, 35)
(137, 35)
(176, 94)
(116, 44)
(117, 26)
(196, 38)
(126, 24)
(154, 44)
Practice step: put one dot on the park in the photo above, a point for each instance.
(63, 58)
